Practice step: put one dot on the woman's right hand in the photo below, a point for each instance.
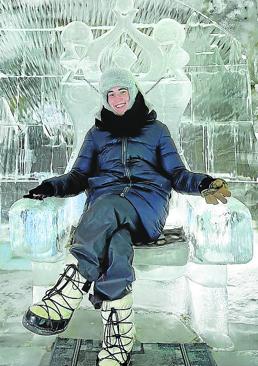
(40, 192)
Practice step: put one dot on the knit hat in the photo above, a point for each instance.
(116, 76)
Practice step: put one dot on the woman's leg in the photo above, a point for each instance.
(111, 254)
(92, 237)
(102, 237)
(117, 313)
(119, 332)
(116, 280)
(52, 314)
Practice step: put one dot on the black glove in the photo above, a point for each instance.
(205, 183)
(40, 192)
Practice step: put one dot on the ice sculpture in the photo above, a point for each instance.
(22, 145)
(78, 96)
(9, 141)
(159, 61)
(220, 234)
(219, 114)
(37, 229)
(195, 294)
(76, 38)
(209, 318)
(208, 301)
(174, 91)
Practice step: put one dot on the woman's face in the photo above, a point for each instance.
(118, 99)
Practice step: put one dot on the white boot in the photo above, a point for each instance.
(53, 313)
(119, 332)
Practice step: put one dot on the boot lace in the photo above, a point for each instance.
(55, 305)
(114, 337)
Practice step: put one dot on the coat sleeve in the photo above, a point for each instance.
(182, 180)
(76, 181)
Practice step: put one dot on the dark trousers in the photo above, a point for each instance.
(103, 246)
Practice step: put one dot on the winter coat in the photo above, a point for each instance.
(142, 169)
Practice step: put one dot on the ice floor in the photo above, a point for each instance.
(20, 347)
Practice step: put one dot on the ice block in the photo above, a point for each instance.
(219, 234)
(37, 227)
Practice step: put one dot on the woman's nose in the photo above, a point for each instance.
(119, 97)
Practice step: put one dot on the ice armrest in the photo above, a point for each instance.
(218, 234)
(38, 227)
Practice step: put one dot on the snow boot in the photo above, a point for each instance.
(52, 314)
(119, 332)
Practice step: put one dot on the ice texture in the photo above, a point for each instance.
(170, 296)
(76, 207)
(209, 275)
(37, 228)
(8, 140)
(208, 303)
(167, 289)
(174, 254)
(209, 314)
(40, 229)
(80, 101)
(220, 234)
(25, 138)
(221, 121)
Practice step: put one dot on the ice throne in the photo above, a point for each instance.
(186, 279)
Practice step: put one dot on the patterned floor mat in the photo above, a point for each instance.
(81, 352)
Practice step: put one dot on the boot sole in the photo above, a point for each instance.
(40, 331)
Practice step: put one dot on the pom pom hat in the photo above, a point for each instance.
(116, 76)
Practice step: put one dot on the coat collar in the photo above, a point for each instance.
(130, 124)
(151, 117)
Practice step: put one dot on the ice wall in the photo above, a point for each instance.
(218, 115)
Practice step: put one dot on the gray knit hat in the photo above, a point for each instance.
(116, 76)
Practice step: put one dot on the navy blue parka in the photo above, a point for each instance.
(143, 169)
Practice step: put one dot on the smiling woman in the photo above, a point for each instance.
(118, 98)
(121, 209)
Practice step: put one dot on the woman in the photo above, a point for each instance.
(128, 164)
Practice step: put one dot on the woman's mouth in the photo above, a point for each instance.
(120, 105)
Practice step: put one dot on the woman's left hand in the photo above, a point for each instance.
(217, 191)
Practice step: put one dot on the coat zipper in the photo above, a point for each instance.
(127, 171)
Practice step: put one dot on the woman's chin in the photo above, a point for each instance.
(119, 113)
